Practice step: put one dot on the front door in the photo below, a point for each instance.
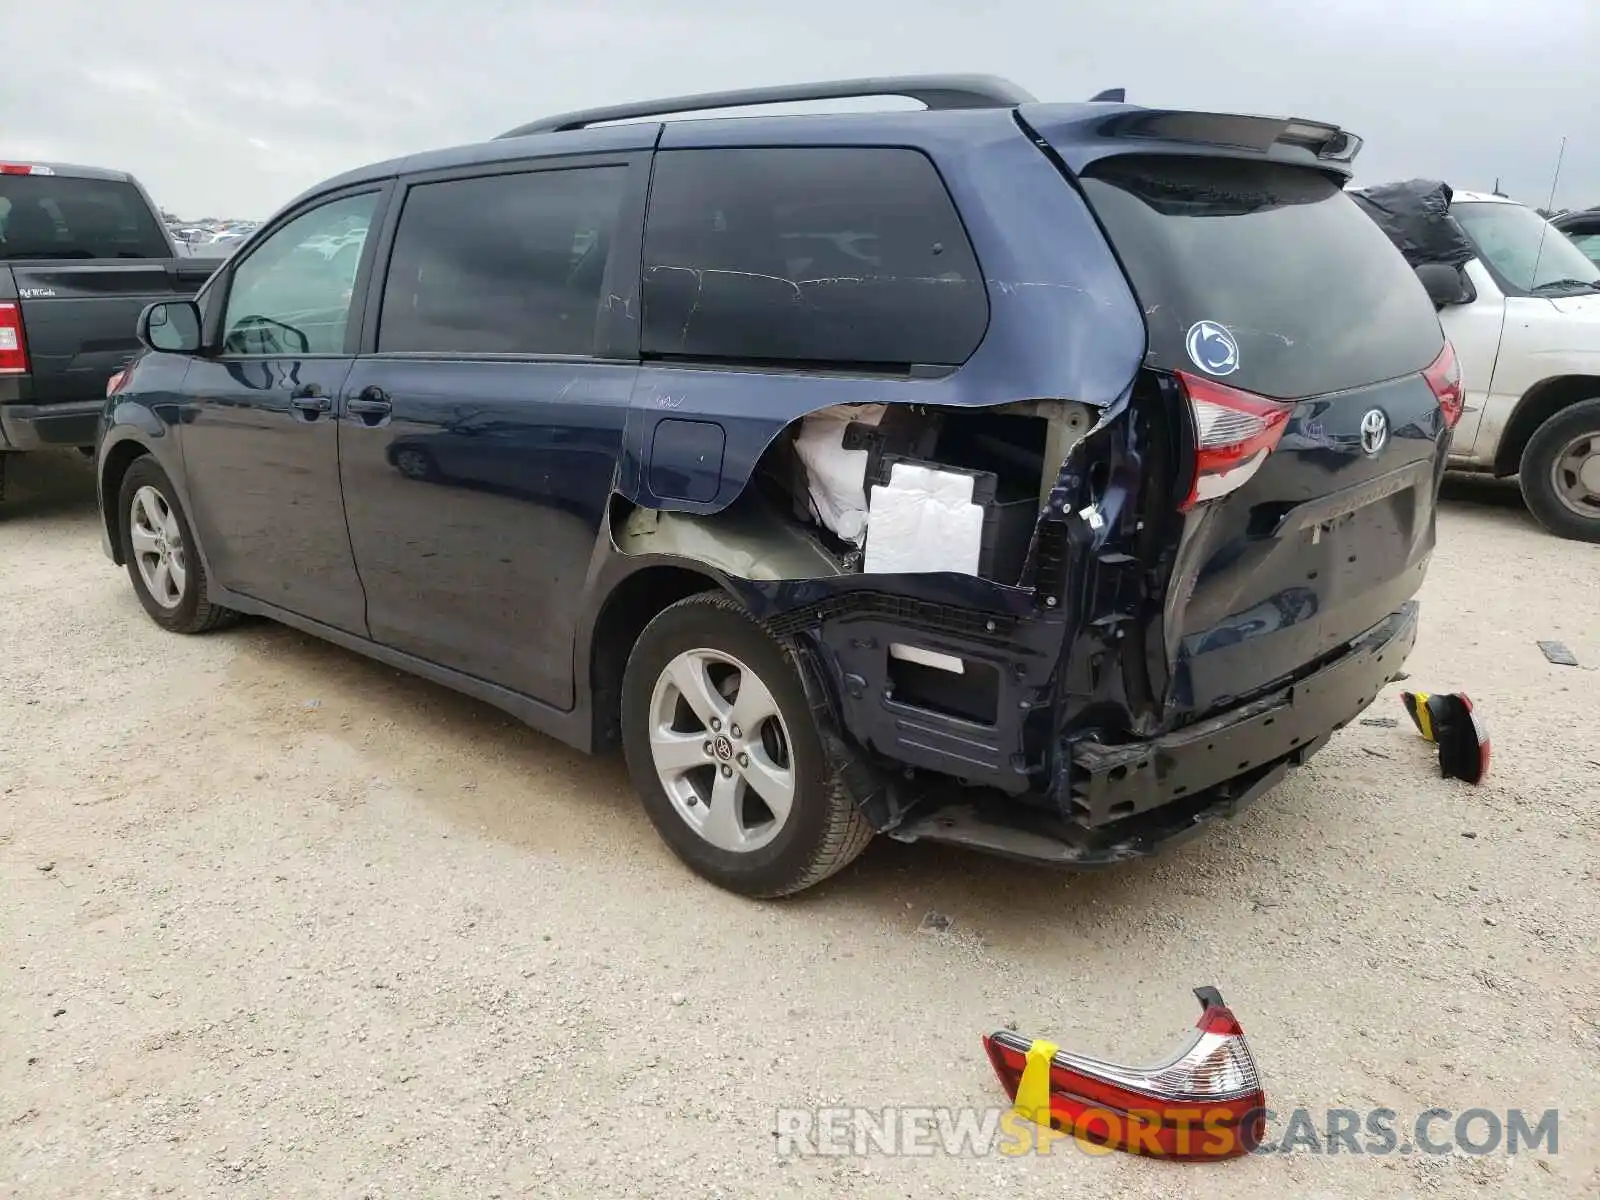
(260, 440)
(480, 441)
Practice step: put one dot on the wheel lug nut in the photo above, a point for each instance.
(709, 748)
(734, 731)
(744, 760)
(726, 769)
(716, 723)
(693, 800)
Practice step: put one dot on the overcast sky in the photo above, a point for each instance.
(231, 115)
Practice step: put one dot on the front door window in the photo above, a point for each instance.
(291, 297)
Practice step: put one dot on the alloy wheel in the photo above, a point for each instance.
(722, 750)
(158, 547)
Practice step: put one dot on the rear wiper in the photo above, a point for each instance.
(1565, 284)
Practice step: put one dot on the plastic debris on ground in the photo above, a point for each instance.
(1558, 653)
(1449, 721)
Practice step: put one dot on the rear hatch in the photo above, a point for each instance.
(1292, 341)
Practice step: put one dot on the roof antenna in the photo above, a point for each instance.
(1110, 96)
(1533, 279)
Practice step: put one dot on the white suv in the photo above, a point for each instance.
(1527, 336)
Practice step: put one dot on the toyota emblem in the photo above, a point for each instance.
(1374, 432)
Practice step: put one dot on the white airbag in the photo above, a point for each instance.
(836, 477)
(922, 521)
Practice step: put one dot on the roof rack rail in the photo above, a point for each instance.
(935, 91)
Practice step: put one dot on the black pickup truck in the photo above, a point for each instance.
(82, 251)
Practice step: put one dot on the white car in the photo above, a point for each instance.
(1527, 337)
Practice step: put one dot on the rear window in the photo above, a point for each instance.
(54, 216)
(1266, 274)
(843, 256)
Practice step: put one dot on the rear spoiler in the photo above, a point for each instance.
(1088, 132)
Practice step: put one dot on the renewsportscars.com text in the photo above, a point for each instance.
(930, 1131)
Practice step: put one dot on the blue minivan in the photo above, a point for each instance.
(1045, 478)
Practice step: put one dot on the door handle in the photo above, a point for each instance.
(370, 402)
(308, 398)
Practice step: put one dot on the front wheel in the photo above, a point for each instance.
(722, 748)
(158, 548)
(1560, 473)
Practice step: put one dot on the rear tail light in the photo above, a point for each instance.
(13, 346)
(116, 382)
(1444, 377)
(1204, 1103)
(1234, 433)
(25, 169)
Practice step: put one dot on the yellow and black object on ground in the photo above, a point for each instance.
(1448, 720)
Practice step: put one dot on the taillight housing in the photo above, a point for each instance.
(1234, 431)
(13, 344)
(1204, 1103)
(1444, 377)
(117, 381)
(25, 169)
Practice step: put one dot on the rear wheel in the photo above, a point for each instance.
(722, 749)
(1560, 473)
(158, 548)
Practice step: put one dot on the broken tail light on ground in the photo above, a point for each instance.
(1203, 1104)
(1234, 431)
(1449, 721)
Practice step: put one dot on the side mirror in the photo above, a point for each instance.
(1446, 285)
(171, 327)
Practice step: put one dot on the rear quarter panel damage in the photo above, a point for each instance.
(1063, 324)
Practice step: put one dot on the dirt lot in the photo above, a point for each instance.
(275, 920)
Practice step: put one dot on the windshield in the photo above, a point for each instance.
(1524, 249)
(55, 216)
(1275, 259)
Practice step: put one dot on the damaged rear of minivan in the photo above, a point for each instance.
(1127, 525)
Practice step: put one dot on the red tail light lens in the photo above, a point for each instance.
(25, 169)
(1234, 433)
(116, 382)
(1444, 377)
(1205, 1103)
(13, 345)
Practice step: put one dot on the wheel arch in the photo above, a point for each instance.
(115, 461)
(1538, 404)
(633, 602)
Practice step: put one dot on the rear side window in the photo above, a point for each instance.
(837, 256)
(56, 216)
(1309, 294)
(502, 264)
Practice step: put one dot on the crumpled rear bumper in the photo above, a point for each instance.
(1136, 800)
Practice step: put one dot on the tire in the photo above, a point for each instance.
(185, 606)
(822, 831)
(1578, 521)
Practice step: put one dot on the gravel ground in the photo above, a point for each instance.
(278, 921)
